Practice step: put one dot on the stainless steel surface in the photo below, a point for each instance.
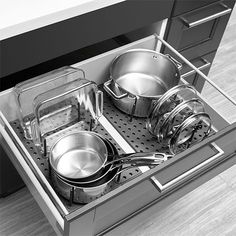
(78, 155)
(141, 74)
(147, 144)
(77, 192)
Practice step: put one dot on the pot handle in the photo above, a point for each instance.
(111, 92)
(149, 157)
(99, 103)
(178, 64)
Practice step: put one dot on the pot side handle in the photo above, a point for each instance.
(107, 88)
(178, 64)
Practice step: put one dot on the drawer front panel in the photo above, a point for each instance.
(182, 6)
(202, 63)
(199, 32)
(224, 156)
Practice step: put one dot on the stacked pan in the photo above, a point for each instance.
(85, 166)
(178, 119)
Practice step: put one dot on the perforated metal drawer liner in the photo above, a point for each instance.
(43, 164)
(134, 132)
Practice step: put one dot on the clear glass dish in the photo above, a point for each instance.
(74, 105)
(27, 90)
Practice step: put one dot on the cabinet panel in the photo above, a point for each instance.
(182, 6)
(202, 63)
(199, 32)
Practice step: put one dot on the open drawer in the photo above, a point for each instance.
(142, 195)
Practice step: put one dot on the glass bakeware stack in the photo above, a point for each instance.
(62, 100)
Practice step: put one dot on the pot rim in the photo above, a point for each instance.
(73, 133)
(141, 50)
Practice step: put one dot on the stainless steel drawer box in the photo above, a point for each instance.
(128, 204)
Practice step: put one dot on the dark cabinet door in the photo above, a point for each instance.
(200, 31)
(202, 63)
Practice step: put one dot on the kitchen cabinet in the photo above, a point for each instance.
(202, 63)
(133, 200)
(150, 191)
(199, 31)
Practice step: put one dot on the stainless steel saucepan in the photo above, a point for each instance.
(139, 76)
(86, 192)
(81, 157)
(123, 161)
(78, 155)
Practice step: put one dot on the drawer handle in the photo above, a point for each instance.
(226, 10)
(188, 174)
(204, 66)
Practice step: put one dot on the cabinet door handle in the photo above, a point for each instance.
(188, 174)
(218, 10)
(202, 67)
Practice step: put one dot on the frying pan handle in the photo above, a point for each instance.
(139, 157)
(106, 86)
(178, 64)
(134, 165)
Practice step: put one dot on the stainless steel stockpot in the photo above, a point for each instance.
(140, 76)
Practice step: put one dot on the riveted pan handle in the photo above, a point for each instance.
(107, 88)
(178, 64)
(162, 188)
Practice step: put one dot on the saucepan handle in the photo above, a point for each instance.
(139, 157)
(178, 64)
(106, 86)
(99, 103)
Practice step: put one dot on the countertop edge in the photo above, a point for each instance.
(54, 17)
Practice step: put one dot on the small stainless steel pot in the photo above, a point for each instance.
(85, 193)
(78, 155)
(140, 76)
(79, 192)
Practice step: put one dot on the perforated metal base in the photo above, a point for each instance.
(43, 165)
(135, 132)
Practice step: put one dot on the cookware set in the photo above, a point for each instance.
(62, 120)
